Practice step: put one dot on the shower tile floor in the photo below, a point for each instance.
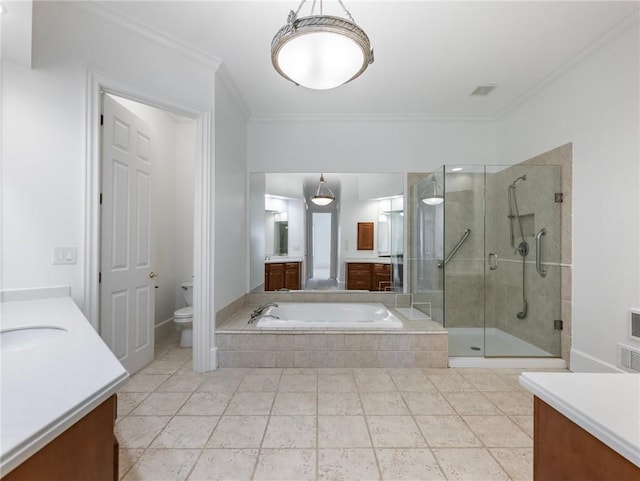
(322, 424)
(471, 341)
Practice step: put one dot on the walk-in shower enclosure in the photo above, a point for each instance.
(485, 257)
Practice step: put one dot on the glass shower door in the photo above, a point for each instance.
(522, 261)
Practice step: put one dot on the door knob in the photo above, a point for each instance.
(152, 275)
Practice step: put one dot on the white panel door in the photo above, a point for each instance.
(126, 264)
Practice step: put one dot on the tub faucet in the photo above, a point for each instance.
(261, 309)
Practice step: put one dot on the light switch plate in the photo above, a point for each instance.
(65, 255)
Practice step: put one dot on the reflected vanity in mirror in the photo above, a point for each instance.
(301, 242)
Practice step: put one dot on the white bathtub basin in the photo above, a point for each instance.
(328, 315)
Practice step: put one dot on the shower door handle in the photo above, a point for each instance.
(541, 271)
(493, 261)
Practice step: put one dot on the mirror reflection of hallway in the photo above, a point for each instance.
(321, 227)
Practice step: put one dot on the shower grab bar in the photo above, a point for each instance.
(465, 236)
(541, 271)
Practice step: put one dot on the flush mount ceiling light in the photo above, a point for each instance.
(324, 195)
(320, 51)
(435, 198)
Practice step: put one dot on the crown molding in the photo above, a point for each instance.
(625, 23)
(373, 118)
(142, 29)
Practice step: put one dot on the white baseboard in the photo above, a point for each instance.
(583, 362)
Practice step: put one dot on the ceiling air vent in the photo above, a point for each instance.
(483, 90)
(628, 358)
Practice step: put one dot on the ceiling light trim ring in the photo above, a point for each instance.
(297, 27)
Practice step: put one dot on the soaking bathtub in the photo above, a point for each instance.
(328, 315)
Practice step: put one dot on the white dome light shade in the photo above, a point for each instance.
(317, 200)
(321, 52)
(433, 200)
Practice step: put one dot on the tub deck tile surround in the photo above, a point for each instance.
(419, 344)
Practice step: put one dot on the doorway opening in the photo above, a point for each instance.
(146, 224)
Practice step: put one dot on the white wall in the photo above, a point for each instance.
(230, 214)
(368, 146)
(594, 105)
(44, 132)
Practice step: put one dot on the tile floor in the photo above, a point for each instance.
(322, 424)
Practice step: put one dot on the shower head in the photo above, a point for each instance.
(522, 177)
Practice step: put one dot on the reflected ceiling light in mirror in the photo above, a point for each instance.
(320, 52)
(456, 169)
(434, 198)
(324, 195)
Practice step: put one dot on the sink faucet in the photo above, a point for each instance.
(256, 313)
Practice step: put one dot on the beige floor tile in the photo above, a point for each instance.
(383, 403)
(163, 465)
(128, 401)
(511, 402)
(225, 465)
(412, 381)
(220, 384)
(144, 382)
(139, 431)
(447, 432)
(336, 383)
(162, 367)
(471, 464)
(126, 459)
(408, 465)
(177, 354)
(498, 431)
(517, 462)
(286, 465)
(205, 404)
(290, 432)
(182, 383)
(186, 432)
(259, 382)
(343, 432)
(486, 381)
(339, 403)
(525, 423)
(427, 403)
(250, 403)
(238, 432)
(161, 404)
(449, 381)
(395, 432)
(471, 403)
(378, 382)
(295, 403)
(299, 383)
(347, 464)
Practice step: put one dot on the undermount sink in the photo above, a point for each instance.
(22, 338)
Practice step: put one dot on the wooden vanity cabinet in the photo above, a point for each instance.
(292, 276)
(368, 276)
(282, 275)
(381, 277)
(87, 451)
(358, 276)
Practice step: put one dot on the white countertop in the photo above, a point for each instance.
(278, 259)
(368, 260)
(46, 388)
(605, 405)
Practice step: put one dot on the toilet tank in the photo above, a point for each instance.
(187, 292)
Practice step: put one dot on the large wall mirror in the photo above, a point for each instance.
(304, 231)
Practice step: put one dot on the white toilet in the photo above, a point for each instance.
(184, 317)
